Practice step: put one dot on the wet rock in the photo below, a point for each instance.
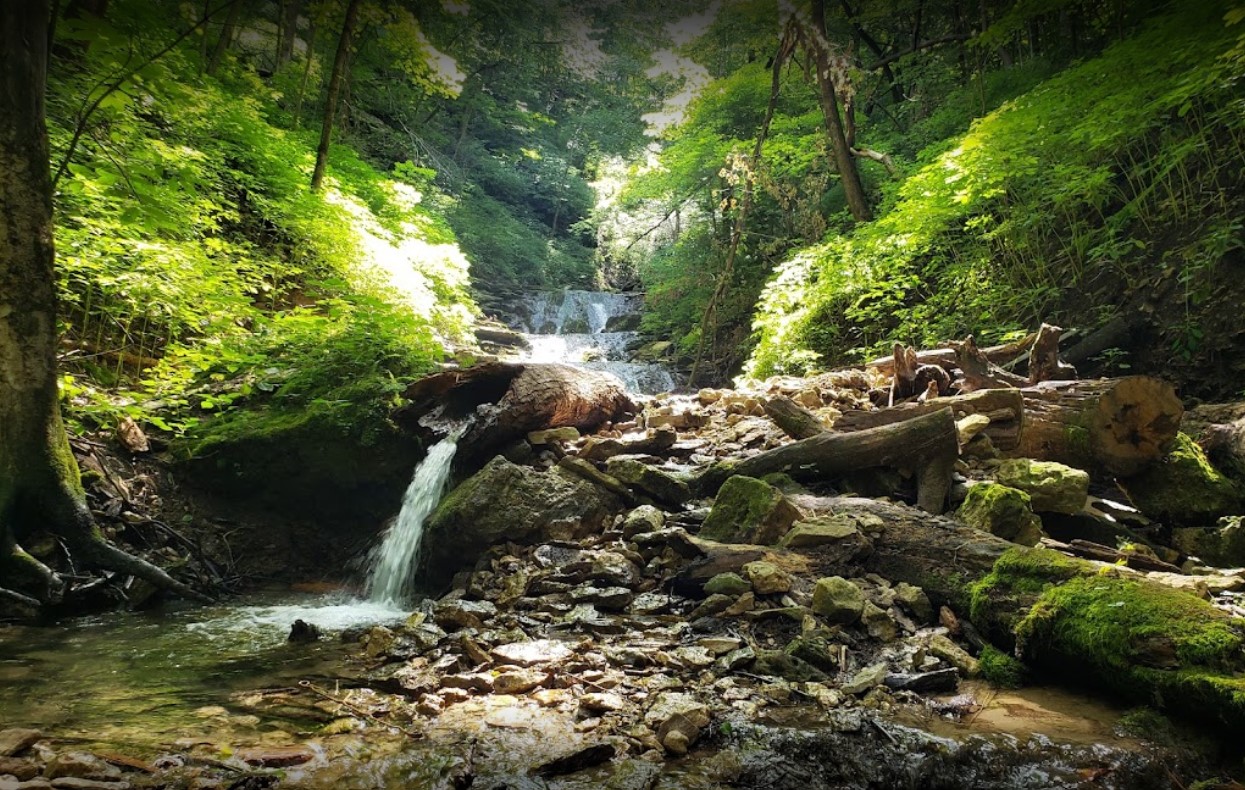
(924, 682)
(378, 641)
(553, 436)
(728, 584)
(303, 633)
(459, 614)
(16, 740)
(677, 720)
(519, 681)
(80, 765)
(612, 569)
(778, 663)
(507, 502)
(748, 510)
(276, 756)
(767, 578)
(526, 654)
(644, 518)
(577, 760)
(837, 600)
(1053, 487)
(19, 768)
(915, 600)
(661, 486)
(868, 678)
(632, 774)
(1003, 511)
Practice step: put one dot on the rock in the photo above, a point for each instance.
(677, 719)
(737, 658)
(707, 396)
(32, 784)
(19, 768)
(748, 510)
(506, 502)
(77, 783)
(80, 765)
(602, 702)
(645, 518)
(744, 603)
(276, 756)
(728, 583)
(817, 651)
(303, 633)
(613, 569)
(17, 740)
(916, 601)
(967, 428)
(660, 485)
(719, 645)
(878, 623)
(654, 351)
(938, 680)
(787, 666)
(469, 681)
(653, 442)
(632, 774)
(1184, 489)
(588, 471)
(577, 760)
(611, 599)
(526, 654)
(1003, 511)
(838, 600)
(819, 531)
(1222, 546)
(767, 578)
(681, 420)
(458, 614)
(553, 436)
(710, 606)
(868, 678)
(378, 641)
(518, 681)
(954, 655)
(675, 538)
(1053, 487)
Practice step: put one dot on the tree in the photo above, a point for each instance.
(335, 89)
(40, 488)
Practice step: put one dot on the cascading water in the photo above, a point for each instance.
(391, 565)
(571, 327)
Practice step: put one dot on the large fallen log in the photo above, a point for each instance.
(1004, 407)
(503, 402)
(926, 445)
(795, 420)
(1106, 426)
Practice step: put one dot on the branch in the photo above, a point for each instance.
(877, 156)
(932, 42)
(678, 205)
(117, 83)
(16, 597)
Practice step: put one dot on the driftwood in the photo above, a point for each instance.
(795, 420)
(945, 357)
(978, 371)
(912, 379)
(1004, 407)
(1097, 551)
(1044, 362)
(1106, 426)
(926, 444)
(1117, 333)
(504, 402)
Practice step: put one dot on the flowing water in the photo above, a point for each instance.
(392, 562)
(574, 327)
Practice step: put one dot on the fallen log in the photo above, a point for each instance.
(1106, 427)
(1004, 407)
(926, 445)
(1090, 550)
(945, 357)
(504, 402)
(795, 420)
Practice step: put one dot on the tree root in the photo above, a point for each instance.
(102, 554)
(16, 597)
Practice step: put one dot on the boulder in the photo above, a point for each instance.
(767, 578)
(728, 584)
(1184, 489)
(662, 486)
(553, 436)
(17, 740)
(80, 765)
(645, 518)
(748, 510)
(1222, 546)
(506, 502)
(838, 600)
(1052, 487)
(1002, 511)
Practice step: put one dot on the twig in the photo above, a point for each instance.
(357, 711)
(878, 725)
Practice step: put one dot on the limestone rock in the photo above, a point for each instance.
(17, 740)
(80, 765)
(507, 502)
(954, 655)
(276, 757)
(916, 601)
(787, 666)
(453, 615)
(728, 584)
(1052, 487)
(868, 678)
(518, 681)
(1001, 511)
(78, 783)
(748, 510)
(526, 654)
(677, 719)
(878, 623)
(838, 538)
(662, 486)
(816, 651)
(838, 600)
(767, 578)
(1184, 488)
(20, 768)
(645, 518)
(967, 428)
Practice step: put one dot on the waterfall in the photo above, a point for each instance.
(391, 564)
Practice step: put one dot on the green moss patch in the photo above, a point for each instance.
(1184, 488)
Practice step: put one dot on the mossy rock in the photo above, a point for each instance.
(662, 486)
(748, 510)
(1003, 511)
(1052, 487)
(728, 584)
(1222, 546)
(1184, 489)
(837, 600)
(1146, 642)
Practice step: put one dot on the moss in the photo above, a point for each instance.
(1146, 722)
(748, 509)
(1001, 511)
(1185, 488)
(1021, 572)
(1001, 669)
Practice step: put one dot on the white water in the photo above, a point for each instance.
(555, 328)
(391, 565)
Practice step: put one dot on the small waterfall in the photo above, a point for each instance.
(391, 564)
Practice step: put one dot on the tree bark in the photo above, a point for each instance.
(289, 31)
(335, 89)
(1106, 427)
(1004, 407)
(926, 445)
(1044, 362)
(226, 38)
(40, 487)
(978, 371)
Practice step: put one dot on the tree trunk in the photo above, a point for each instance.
(504, 402)
(289, 31)
(1106, 427)
(335, 88)
(226, 38)
(1004, 407)
(40, 488)
(307, 63)
(849, 174)
(927, 445)
(795, 420)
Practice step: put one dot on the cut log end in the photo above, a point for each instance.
(1135, 423)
